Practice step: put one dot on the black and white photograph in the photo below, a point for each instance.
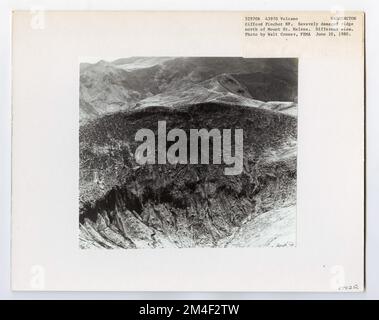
(187, 152)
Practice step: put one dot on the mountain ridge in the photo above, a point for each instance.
(107, 87)
(125, 205)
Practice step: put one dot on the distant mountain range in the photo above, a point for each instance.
(139, 82)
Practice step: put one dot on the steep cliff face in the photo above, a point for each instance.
(127, 205)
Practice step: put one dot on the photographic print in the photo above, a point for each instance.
(188, 152)
(175, 158)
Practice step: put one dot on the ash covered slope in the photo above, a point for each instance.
(124, 205)
(124, 84)
(105, 88)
